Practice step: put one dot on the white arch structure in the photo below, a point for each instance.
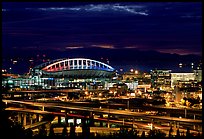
(74, 64)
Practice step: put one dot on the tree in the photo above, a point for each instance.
(18, 131)
(29, 133)
(64, 132)
(151, 133)
(198, 135)
(72, 130)
(143, 134)
(85, 129)
(170, 132)
(51, 133)
(8, 128)
(198, 99)
(188, 134)
(177, 133)
(42, 131)
(135, 133)
(159, 133)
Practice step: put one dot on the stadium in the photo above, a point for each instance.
(79, 68)
(78, 73)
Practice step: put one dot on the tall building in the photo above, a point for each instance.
(161, 79)
(198, 75)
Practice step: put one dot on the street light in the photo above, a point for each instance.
(185, 112)
(10, 69)
(128, 103)
(108, 116)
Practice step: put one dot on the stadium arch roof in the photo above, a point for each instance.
(74, 68)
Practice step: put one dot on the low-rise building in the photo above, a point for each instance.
(176, 77)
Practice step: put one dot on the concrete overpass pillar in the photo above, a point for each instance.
(43, 108)
(85, 129)
(133, 122)
(24, 119)
(108, 120)
(101, 122)
(123, 121)
(12, 95)
(199, 129)
(38, 117)
(75, 121)
(59, 119)
(31, 95)
(19, 118)
(67, 96)
(170, 124)
(66, 118)
(91, 118)
(174, 124)
(177, 124)
(31, 118)
(35, 117)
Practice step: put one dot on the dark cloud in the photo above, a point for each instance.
(172, 27)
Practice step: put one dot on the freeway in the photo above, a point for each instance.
(169, 110)
(174, 109)
(146, 126)
(35, 125)
(135, 124)
(124, 113)
(42, 112)
(48, 91)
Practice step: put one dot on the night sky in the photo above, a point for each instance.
(134, 35)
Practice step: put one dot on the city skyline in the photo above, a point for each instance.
(101, 69)
(127, 34)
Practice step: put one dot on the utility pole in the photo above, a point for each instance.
(128, 104)
(108, 116)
